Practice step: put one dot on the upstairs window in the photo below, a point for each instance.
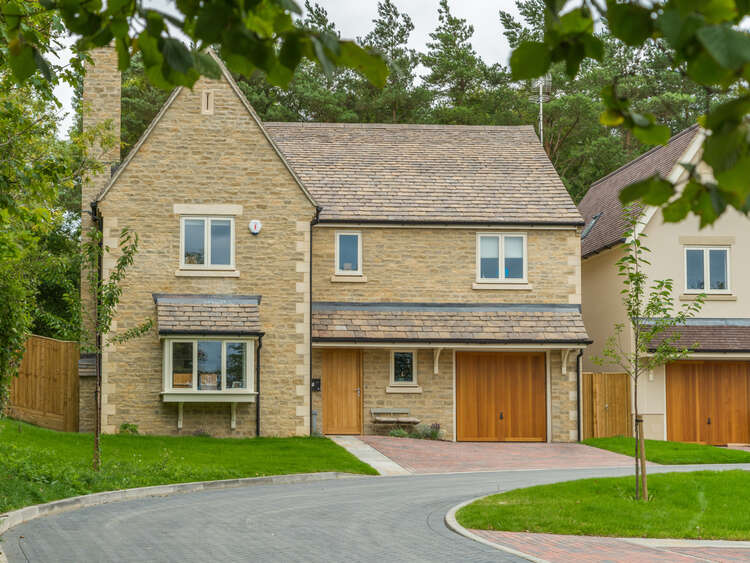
(707, 270)
(207, 243)
(501, 257)
(348, 254)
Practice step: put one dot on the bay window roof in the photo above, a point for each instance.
(200, 314)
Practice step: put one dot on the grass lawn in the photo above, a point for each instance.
(38, 465)
(700, 505)
(671, 453)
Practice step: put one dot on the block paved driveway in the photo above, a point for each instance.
(436, 456)
(357, 519)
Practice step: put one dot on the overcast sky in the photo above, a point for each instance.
(354, 19)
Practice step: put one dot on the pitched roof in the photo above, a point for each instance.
(426, 173)
(710, 335)
(603, 196)
(448, 322)
(208, 314)
(168, 103)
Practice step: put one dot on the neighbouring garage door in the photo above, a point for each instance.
(708, 402)
(501, 397)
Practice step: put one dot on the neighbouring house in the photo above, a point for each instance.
(336, 278)
(705, 398)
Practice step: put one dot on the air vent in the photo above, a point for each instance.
(207, 102)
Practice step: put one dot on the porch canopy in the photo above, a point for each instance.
(199, 314)
(445, 323)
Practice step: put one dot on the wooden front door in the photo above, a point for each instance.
(500, 397)
(342, 392)
(708, 402)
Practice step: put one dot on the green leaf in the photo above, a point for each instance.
(370, 65)
(123, 54)
(529, 60)
(703, 69)
(676, 29)
(114, 6)
(289, 6)
(637, 190)
(653, 135)
(22, 64)
(735, 179)
(629, 22)
(611, 118)
(178, 56)
(42, 65)
(206, 65)
(729, 47)
(676, 211)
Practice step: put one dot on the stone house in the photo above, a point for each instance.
(336, 278)
(705, 398)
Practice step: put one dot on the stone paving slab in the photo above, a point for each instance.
(556, 548)
(368, 455)
(436, 456)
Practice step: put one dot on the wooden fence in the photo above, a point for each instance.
(45, 392)
(606, 405)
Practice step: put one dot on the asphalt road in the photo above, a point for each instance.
(357, 519)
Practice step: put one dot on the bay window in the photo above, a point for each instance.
(209, 365)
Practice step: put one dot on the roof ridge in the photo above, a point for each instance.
(644, 155)
(360, 125)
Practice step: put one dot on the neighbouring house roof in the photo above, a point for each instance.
(448, 322)
(603, 200)
(709, 335)
(426, 173)
(208, 314)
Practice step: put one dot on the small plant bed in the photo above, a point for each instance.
(420, 432)
(38, 465)
(697, 505)
(671, 453)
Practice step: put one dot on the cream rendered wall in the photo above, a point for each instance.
(602, 305)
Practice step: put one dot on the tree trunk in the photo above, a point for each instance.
(644, 478)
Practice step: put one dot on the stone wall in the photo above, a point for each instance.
(564, 397)
(439, 265)
(211, 159)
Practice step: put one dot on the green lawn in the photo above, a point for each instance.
(700, 505)
(38, 465)
(671, 453)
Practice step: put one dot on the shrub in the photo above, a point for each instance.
(424, 432)
(128, 428)
(398, 433)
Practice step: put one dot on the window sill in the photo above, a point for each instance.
(207, 273)
(501, 286)
(349, 279)
(709, 297)
(403, 389)
(207, 397)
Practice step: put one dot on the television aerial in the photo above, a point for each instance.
(542, 92)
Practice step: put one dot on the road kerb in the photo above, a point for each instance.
(452, 523)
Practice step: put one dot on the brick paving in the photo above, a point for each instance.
(561, 548)
(433, 456)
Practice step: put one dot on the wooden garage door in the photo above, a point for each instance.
(708, 402)
(500, 397)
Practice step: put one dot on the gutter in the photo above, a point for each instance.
(578, 394)
(449, 341)
(257, 384)
(315, 220)
(454, 223)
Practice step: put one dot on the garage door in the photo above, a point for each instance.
(500, 397)
(708, 402)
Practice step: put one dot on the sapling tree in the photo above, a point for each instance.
(653, 325)
(106, 293)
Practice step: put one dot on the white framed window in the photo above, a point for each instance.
(348, 253)
(206, 243)
(403, 368)
(501, 258)
(209, 365)
(207, 102)
(707, 269)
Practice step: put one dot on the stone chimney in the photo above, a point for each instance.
(101, 104)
